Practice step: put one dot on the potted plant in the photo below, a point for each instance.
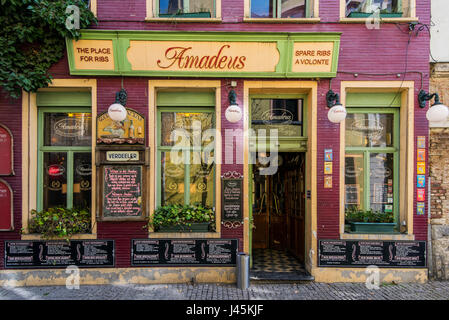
(182, 218)
(60, 222)
(369, 221)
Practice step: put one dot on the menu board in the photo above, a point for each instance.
(184, 252)
(402, 254)
(122, 191)
(232, 199)
(59, 254)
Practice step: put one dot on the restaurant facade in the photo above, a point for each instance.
(297, 123)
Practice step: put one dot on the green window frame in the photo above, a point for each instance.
(277, 9)
(185, 11)
(187, 165)
(367, 151)
(70, 150)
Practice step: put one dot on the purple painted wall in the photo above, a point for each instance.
(362, 51)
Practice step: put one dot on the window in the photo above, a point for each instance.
(64, 158)
(186, 8)
(386, 8)
(186, 172)
(371, 160)
(281, 9)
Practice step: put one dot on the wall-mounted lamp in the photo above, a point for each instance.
(337, 113)
(233, 112)
(117, 110)
(438, 112)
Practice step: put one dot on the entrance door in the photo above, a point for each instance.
(279, 206)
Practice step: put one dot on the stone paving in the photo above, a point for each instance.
(433, 290)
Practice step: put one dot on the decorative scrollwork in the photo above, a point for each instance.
(232, 175)
(232, 224)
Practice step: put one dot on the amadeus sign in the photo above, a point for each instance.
(203, 54)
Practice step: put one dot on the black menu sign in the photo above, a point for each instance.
(358, 253)
(122, 191)
(232, 200)
(185, 252)
(59, 254)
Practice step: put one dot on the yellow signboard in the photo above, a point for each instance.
(312, 56)
(130, 131)
(93, 54)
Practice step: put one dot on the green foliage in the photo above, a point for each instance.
(356, 215)
(179, 215)
(60, 222)
(32, 39)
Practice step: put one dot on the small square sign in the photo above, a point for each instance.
(328, 182)
(420, 209)
(421, 168)
(421, 142)
(420, 195)
(421, 181)
(421, 155)
(328, 155)
(389, 208)
(328, 168)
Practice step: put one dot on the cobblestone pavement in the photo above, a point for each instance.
(433, 290)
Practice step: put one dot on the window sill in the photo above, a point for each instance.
(384, 20)
(282, 20)
(184, 235)
(371, 236)
(204, 20)
(81, 236)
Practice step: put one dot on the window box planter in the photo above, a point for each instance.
(186, 15)
(194, 227)
(367, 15)
(372, 227)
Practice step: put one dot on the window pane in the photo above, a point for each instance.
(262, 9)
(369, 130)
(201, 183)
(381, 182)
(55, 180)
(192, 124)
(385, 6)
(172, 180)
(285, 115)
(82, 180)
(206, 8)
(293, 8)
(67, 129)
(354, 181)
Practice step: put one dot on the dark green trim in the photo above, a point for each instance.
(66, 99)
(373, 99)
(188, 99)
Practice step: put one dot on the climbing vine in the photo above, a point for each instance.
(32, 39)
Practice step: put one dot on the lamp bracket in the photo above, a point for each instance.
(332, 99)
(121, 97)
(232, 97)
(424, 96)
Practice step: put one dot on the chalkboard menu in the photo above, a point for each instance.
(232, 199)
(59, 254)
(342, 253)
(184, 252)
(122, 191)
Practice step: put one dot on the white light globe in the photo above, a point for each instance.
(117, 112)
(233, 113)
(337, 114)
(437, 113)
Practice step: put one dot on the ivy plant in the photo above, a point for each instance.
(60, 222)
(32, 39)
(357, 215)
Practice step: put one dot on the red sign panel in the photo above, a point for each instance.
(6, 162)
(5, 206)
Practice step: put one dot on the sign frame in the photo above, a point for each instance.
(11, 172)
(11, 205)
(284, 41)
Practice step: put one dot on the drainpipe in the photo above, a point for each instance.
(429, 233)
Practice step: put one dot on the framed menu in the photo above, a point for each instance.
(232, 199)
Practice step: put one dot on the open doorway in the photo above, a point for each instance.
(278, 207)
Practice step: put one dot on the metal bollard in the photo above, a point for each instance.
(242, 271)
